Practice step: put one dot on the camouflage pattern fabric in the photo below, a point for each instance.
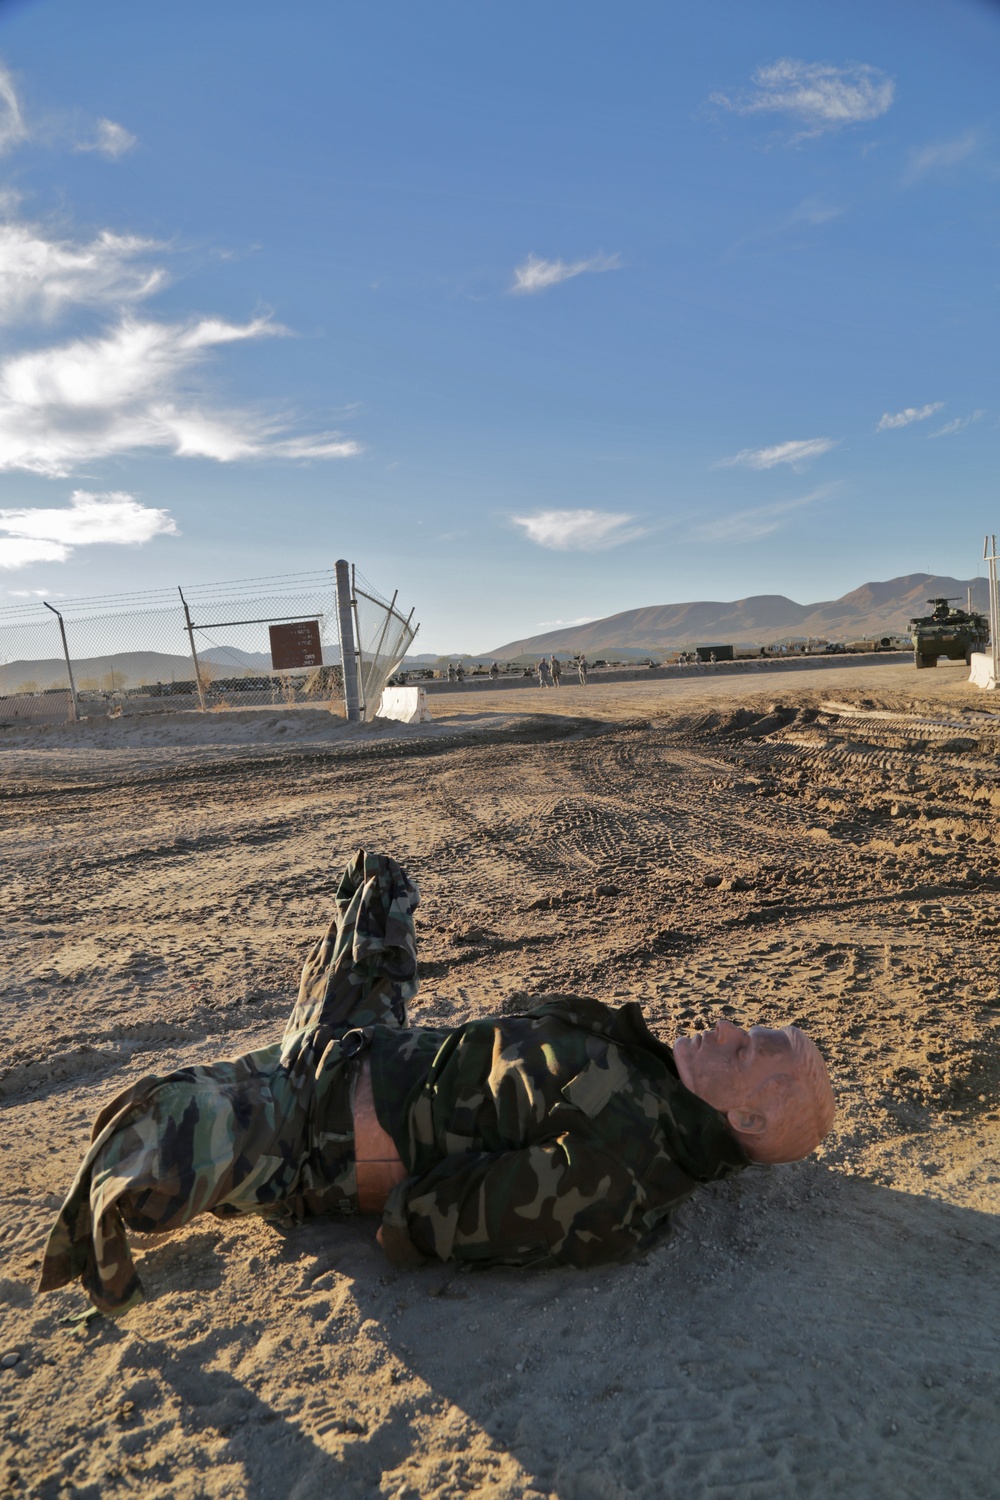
(269, 1133)
(561, 1136)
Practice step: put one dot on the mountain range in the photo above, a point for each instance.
(873, 609)
(130, 668)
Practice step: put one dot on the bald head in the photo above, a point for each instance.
(772, 1086)
(795, 1103)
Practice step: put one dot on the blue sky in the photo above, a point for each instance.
(536, 312)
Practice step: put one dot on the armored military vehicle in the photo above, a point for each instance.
(954, 633)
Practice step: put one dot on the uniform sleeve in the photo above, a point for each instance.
(566, 1202)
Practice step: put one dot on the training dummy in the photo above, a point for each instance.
(561, 1136)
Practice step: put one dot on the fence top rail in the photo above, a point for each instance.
(264, 620)
(390, 609)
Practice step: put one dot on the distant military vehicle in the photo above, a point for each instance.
(954, 633)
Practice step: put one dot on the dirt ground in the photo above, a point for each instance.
(825, 1329)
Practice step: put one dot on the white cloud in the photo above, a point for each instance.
(12, 126)
(319, 445)
(940, 154)
(821, 96)
(110, 139)
(749, 525)
(579, 530)
(796, 453)
(133, 386)
(957, 424)
(537, 275)
(34, 534)
(92, 398)
(20, 552)
(42, 277)
(890, 420)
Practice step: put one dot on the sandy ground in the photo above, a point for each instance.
(825, 1329)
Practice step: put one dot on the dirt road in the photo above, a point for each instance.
(825, 1329)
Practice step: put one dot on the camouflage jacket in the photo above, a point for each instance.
(562, 1135)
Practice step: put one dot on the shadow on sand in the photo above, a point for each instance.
(801, 1334)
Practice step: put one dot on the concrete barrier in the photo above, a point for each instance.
(981, 670)
(407, 704)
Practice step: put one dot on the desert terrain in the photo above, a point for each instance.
(823, 849)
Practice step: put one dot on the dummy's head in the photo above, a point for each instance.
(772, 1086)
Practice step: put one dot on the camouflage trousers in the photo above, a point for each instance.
(268, 1133)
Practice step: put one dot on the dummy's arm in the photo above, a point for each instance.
(567, 1201)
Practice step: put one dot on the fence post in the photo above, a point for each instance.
(348, 660)
(358, 652)
(69, 664)
(194, 652)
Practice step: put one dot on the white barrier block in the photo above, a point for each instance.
(981, 670)
(408, 705)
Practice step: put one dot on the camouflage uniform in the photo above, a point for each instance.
(268, 1133)
(562, 1135)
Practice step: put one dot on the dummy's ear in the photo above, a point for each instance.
(747, 1121)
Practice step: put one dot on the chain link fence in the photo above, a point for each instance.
(382, 638)
(252, 642)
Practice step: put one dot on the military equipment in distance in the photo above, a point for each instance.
(954, 633)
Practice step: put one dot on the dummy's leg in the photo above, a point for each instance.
(363, 971)
(227, 1134)
(235, 1136)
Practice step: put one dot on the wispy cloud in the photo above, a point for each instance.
(31, 535)
(579, 530)
(130, 389)
(537, 275)
(939, 155)
(761, 520)
(957, 424)
(892, 419)
(796, 453)
(109, 139)
(41, 277)
(104, 136)
(12, 126)
(820, 96)
(811, 213)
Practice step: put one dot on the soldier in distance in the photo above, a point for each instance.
(564, 1135)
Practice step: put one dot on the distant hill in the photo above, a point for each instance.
(873, 609)
(131, 668)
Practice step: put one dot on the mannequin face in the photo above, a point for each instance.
(727, 1066)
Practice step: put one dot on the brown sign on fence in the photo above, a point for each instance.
(296, 645)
